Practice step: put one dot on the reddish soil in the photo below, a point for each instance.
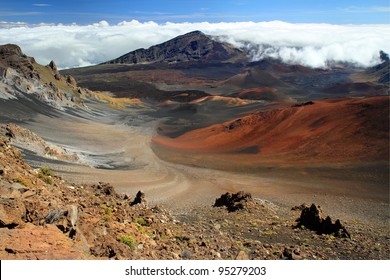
(338, 130)
(263, 93)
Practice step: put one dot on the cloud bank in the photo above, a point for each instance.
(314, 45)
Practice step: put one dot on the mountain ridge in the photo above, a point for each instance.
(192, 46)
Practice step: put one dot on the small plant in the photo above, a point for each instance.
(254, 224)
(140, 228)
(128, 240)
(106, 209)
(47, 172)
(181, 238)
(141, 222)
(46, 175)
(46, 179)
(269, 232)
(24, 181)
(106, 218)
(240, 245)
(303, 227)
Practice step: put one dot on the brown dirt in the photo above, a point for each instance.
(104, 225)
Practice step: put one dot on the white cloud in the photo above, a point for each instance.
(308, 44)
(41, 5)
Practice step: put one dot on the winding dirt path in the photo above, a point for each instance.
(181, 188)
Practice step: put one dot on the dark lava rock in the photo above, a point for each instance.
(53, 66)
(300, 207)
(234, 124)
(139, 199)
(104, 188)
(9, 133)
(233, 202)
(303, 104)
(54, 215)
(312, 218)
(105, 249)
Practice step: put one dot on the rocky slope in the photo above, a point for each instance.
(28, 140)
(339, 130)
(21, 76)
(45, 217)
(191, 47)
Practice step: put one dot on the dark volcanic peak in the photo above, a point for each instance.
(384, 56)
(381, 72)
(193, 46)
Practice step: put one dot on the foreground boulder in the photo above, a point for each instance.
(139, 199)
(233, 202)
(312, 218)
(12, 212)
(103, 188)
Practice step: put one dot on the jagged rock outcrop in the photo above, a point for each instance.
(233, 202)
(299, 207)
(22, 77)
(312, 218)
(11, 56)
(139, 199)
(191, 47)
(71, 81)
(104, 188)
(10, 50)
(53, 66)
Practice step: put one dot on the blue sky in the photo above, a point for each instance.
(92, 11)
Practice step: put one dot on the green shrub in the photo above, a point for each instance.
(24, 181)
(47, 172)
(141, 222)
(106, 208)
(181, 238)
(269, 232)
(128, 240)
(46, 175)
(46, 179)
